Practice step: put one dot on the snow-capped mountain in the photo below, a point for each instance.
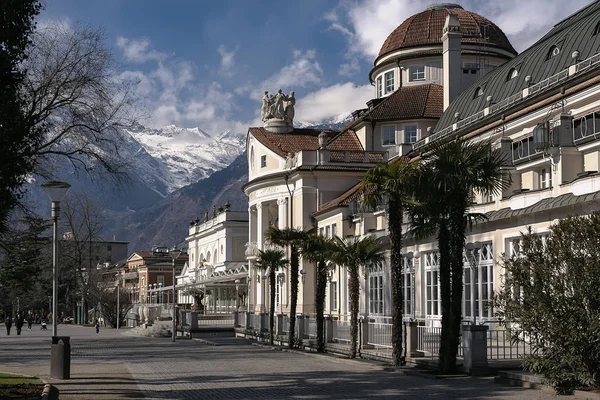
(183, 155)
(336, 122)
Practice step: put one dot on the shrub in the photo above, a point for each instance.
(551, 298)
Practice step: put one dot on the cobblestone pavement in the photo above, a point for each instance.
(113, 366)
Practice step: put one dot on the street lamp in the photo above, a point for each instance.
(56, 191)
(174, 254)
(412, 257)
(118, 276)
(474, 262)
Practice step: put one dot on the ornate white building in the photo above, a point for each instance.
(443, 73)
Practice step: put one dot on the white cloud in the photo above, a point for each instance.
(350, 68)
(366, 23)
(227, 61)
(138, 50)
(332, 101)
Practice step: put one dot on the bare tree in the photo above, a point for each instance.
(73, 90)
(83, 223)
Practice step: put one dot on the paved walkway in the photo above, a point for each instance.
(113, 366)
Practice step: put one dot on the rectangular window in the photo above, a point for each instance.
(376, 294)
(327, 232)
(333, 295)
(410, 134)
(545, 178)
(333, 230)
(389, 82)
(388, 135)
(416, 73)
(263, 161)
(407, 265)
(379, 87)
(322, 231)
(479, 282)
(432, 286)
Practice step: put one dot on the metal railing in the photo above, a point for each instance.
(216, 320)
(428, 340)
(501, 346)
(254, 321)
(380, 334)
(524, 149)
(312, 326)
(341, 331)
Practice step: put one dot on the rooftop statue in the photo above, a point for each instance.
(278, 106)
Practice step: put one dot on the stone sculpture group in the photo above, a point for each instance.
(278, 106)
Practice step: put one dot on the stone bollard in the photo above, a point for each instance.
(264, 322)
(248, 322)
(475, 349)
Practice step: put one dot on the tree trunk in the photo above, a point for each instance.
(320, 304)
(457, 246)
(396, 279)
(294, 263)
(354, 288)
(446, 297)
(272, 309)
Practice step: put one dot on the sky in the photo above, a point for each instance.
(205, 64)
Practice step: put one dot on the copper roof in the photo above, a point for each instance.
(409, 102)
(425, 28)
(306, 139)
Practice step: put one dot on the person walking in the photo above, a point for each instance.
(29, 322)
(97, 326)
(8, 323)
(19, 323)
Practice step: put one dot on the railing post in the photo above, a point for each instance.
(236, 316)
(193, 320)
(279, 324)
(264, 322)
(328, 329)
(475, 349)
(248, 321)
(364, 322)
(412, 340)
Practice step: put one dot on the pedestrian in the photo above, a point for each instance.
(29, 322)
(19, 323)
(97, 326)
(8, 323)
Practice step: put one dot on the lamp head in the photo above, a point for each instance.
(55, 190)
(175, 253)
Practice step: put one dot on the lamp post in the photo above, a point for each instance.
(56, 191)
(303, 274)
(237, 294)
(474, 261)
(412, 257)
(174, 254)
(118, 276)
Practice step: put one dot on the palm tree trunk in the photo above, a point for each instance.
(320, 304)
(457, 245)
(446, 297)
(294, 264)
(272, 309)
(354, 288)
(396, 279)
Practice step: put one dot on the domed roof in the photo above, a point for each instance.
(425, 28)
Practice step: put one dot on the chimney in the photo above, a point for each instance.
(452, 58)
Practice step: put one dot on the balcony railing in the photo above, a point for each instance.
(524, 150)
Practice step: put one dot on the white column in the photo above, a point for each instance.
(260, 225)
(282, 213)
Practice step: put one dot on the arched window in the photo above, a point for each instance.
(553, 52)
(478, 92)
(252, 158)
(512, 74)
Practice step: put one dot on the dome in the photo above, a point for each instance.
(425, 28)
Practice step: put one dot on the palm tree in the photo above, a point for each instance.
(270, 261)
(317, 249)
(355, 253)
(451, 173)
(293, 238)
(392, 181)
